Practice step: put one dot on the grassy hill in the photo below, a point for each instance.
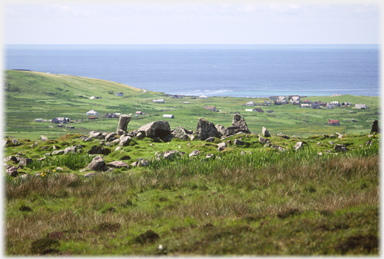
(31, 95)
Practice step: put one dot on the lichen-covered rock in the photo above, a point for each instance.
(124, 140)
(97, 164)
(262, 140)
(10, 158)
(265, 132)
(118, 164)
(205, 129)
(181, 133)
(239, 122)
(12, 171)
(220, 130)
(110, 136)
(154, 129)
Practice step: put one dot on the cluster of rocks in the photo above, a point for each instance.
(160, 131)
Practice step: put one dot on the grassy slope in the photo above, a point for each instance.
(26, 99)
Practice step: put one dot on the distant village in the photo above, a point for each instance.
(275, 100)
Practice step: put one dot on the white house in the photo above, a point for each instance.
(158, 101)
(92, 113)
(39, 120)
(335, 103)
(295, 99)
(168, 116)
(250, 104)
(360, 106)
(119, 94)
(203, 97)
(329, 106)
(305, 105)
(249, 110)
(282, 99)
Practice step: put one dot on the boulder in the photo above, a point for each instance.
(205, 129)
(140, 135)
(72, 149)
(340, 148)
(168, 138)
(238, 142)
(11, 158)
(123, 124)
(299, 145)
(262, 140)
(222, 145)
(375, 127)
(43, 138)
(154, 129)
(239, 122)
(110, 136)
(57, 152)
(139, 162)
(170, 154)
(220, 130)
(118, 164)
(97, 164)
(99, 150)
(124, 140)
(194, 153)
(265, 132)
(12, 171)
(331, 142)
(181, 133)
(25, 161)
(95, 134)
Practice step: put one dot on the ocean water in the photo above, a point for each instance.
(213, 70)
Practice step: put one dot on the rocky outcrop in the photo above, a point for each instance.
(205, 129)
(123, 124)
(265, 132)
(238, 121)
(181, 133)
(154, 129)
(375, 127)
(97, 164)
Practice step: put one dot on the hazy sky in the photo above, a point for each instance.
(187, 23)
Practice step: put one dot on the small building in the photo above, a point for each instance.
(203, 97)
(250, 103)
(335, 103)
(177, 96)
(305, 105)
(346, 104)
(211, 108)
(60, 120)
(333, 122)
(266, 103)
(110, 115)
(249, 110)
(295, 100)
(360, 106)
(306, 101)
(119, 94)
(282, 99)
(329, 106)
(139, 112)
(273, 98)
(186, 102)
(39, 120)
(193, 97)
(271, 111)
(95, 97)
(258, 110)
(92, 118)
(92, 113)
(168, 116)
(158, 101)
(315, 106)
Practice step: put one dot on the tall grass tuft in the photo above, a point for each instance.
(70, 160)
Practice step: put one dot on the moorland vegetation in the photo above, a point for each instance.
(257, 195)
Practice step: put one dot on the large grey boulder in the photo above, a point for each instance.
(239, 122)
(118, 164)
(124, 140)
(265, 132)
(97, 164)
(181, 133)
(154, 129)
(123, 124)
(375, 127)
(205, 129)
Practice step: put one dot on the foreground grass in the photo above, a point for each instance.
(252, 204)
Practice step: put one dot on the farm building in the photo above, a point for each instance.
(92, 113)
(306, 101)
(211, 108)
(39, 120)
(315, 106)
(329, 106)
(111, 115)
(360, 106)
(203, 97)
(119, 94)
(250, 103)
(295, 100)
(335, 103)
(267, 103)
(271, 111)
(158, 101)
(249, 110)
(168, 116)
(60, 120)
(346, 104)
(334, 122)
(186, 102)
(282, 99)
(305, 105)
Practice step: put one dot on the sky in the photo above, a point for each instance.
(167, 22)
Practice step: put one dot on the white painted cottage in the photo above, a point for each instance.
(92, 113)
(203, 97)
(361, 106)
(168, 116)
(282, 99)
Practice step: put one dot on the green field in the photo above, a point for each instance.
(31, 95)
(248, 199)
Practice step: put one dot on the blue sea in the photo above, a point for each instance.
(213, 70)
